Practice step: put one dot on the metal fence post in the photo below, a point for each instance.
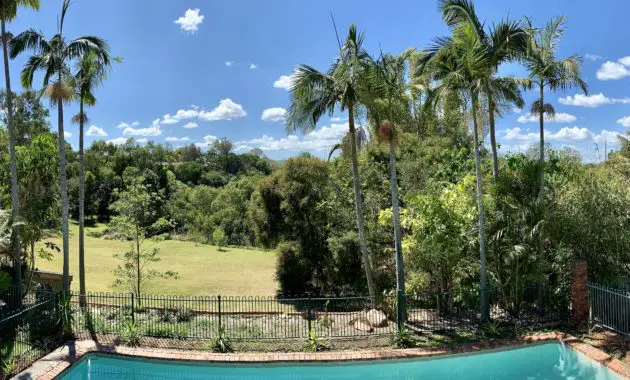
(308, 313)
(220, 327)
(133, 308)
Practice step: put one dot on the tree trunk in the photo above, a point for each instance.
(493, 139)
(63, 185)
(138, 273)
(400, 266)
(15, 199)
(358, 206)
(541, 159)
(82, 289)
(483, 279)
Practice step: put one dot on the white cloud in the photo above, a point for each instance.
(338, 119)
(226, 110)
(517, 135)
(190, 125)
(614, 70)
(517, 110)
(207, 141)
(118, 140)
(625, 121)
(610, 137)
(153, 130)
(560, 117)
(320, 140)
(125, 125)
(228, 63)
(96, 131)
(591, 101)
(253, 66)
(283, 82)
(592, 57)
(176, 139)
(274, 114)
(570, 134)
(179, 116)
(143, 140)
(67, 134)
(190, 21)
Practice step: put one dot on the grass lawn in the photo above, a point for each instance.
(202, 269)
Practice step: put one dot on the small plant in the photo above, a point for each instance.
(130, 334)
(168, 316)
(65, 314)
(184, 315)
(219, 238)
(221, 343)
(314, 343)
(7, 366)
(491, 330)
(325, 322)
(402, 339)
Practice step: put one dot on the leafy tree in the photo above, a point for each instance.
(52, 57)
(218, 237)
(134, 222)
(8, 12)
(314, 93)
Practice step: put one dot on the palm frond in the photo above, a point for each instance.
(312, 94)
(30, 39)
(547, 109)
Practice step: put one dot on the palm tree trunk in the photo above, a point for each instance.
(81, 208)
(63, 186)
(400, 266)
(483, 278)
(541, 159)
(358, 205)
(493, 139)
(15, 199)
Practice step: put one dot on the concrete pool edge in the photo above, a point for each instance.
(63, 357)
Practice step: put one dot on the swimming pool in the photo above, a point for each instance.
(547, 361)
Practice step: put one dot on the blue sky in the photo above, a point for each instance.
(195, 70)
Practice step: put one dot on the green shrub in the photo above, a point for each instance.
(184, 315)
(65, 314)
(221, 343)
(314, 343)
(402, 339)
(130, 334)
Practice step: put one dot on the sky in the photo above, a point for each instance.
(193, 71)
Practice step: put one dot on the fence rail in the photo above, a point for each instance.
(609, 307)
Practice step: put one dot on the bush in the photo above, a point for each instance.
(130, 334)
(402, 339)
(221, 343)
(292, 272)
(184, 315)
(314, 343)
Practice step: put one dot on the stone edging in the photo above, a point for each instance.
(63, 357)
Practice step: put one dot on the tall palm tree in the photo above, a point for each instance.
(504, 42)
(547, 72)
(52, 57)
(314, 94)
(460, 63)
(388, 108)
(8, 12)
(90, 74)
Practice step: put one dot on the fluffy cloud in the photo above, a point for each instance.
(96, 131)
(609, 137)
(190, 21)
(274, 114)
(176, 139)
(153, 130)
(228, 63)
(179, 116)
(123, 125)
(118, 140)
(67, 134)
(591, 101)
(190, 125)
(592, 57)
(142, 140)
(207, 141)
(572, 134)
(625, 121)
(560, 117)
(338, 119)
(253, 66)
(320, 140)
(614, 70)
(226, 110)
(283, 82)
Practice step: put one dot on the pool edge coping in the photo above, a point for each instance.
(53, 364)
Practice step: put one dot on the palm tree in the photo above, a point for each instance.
(460, 63)
(314, 94)
(388, 108)
(547, 72)
(52, 57)
(504, 42)
(8, 12)
(90, 74)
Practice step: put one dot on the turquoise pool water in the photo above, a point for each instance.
(546, 361)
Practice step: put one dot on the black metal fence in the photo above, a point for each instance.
(609, 307)
(29, 328)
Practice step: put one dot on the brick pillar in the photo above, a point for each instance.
(579, 294)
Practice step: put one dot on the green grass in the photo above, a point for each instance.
(202, 269)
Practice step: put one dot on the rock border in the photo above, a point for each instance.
(55, 363)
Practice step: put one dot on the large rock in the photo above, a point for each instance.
(376, 318)
(363, 324)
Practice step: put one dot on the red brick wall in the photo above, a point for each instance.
(579, 294)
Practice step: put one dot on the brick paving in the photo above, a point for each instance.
(53, 364)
